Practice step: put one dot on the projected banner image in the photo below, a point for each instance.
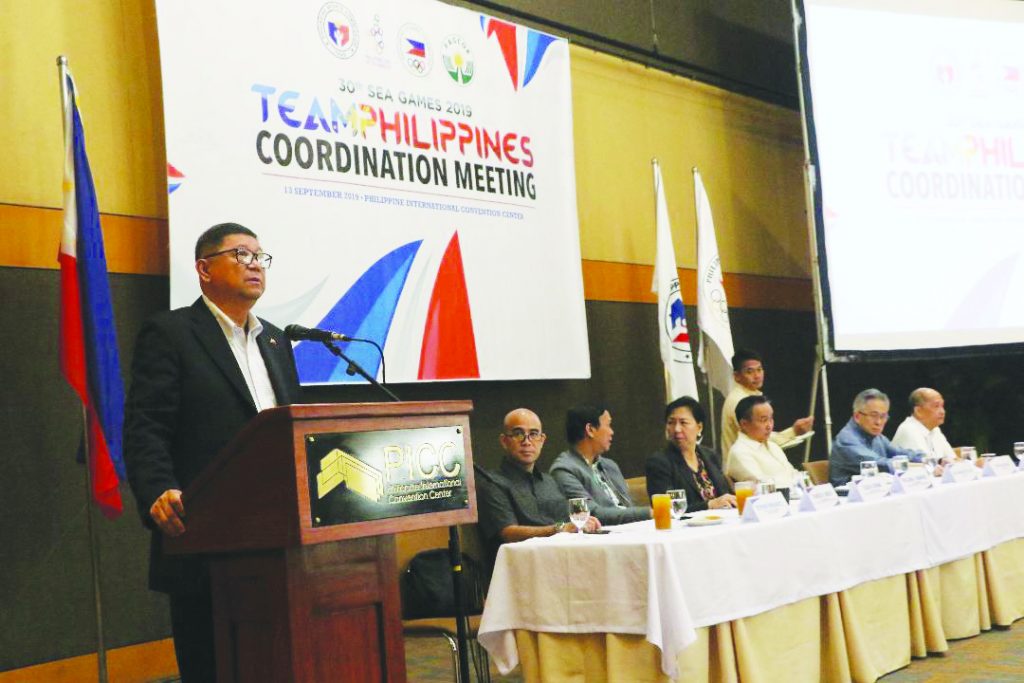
(409, 165)
(919, 130)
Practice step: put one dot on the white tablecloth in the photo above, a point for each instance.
(666, 584)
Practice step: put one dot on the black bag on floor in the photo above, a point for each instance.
(427, 589)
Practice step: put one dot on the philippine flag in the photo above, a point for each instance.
(88, 343)
(417, 48)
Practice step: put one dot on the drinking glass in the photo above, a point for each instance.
(579, 512)
(744, 490)
(931, 463)
(900, 464)
(677, 499)
(869, 468)
(969, 453)
(661, 507)
(1018, 449)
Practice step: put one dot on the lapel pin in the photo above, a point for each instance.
(273, 342)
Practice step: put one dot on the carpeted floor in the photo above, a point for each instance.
(996, 656)
(428, 660)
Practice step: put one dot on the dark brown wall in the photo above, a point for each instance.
(741, 45)
(45, 579)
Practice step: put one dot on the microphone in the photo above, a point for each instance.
(300, 333)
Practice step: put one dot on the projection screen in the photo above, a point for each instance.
(915, 134)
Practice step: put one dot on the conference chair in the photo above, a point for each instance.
(407, 545)
(638, 490)
(818, 469)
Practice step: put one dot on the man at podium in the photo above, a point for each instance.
(198, 375)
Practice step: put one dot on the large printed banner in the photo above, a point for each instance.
(409, 166)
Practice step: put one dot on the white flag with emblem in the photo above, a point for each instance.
(673, 335)
(716, 350)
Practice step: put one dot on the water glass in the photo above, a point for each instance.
(931, 463)
(1018, 449)
(900, 464)
(969, 453)
(869, 468)
(801, 484)
(677, 499)
(579, 512)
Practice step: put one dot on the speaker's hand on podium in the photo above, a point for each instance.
(168, 512)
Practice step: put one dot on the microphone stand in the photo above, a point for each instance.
(354, 367)
(454, 546)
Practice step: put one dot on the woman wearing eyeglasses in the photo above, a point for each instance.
(684, 464)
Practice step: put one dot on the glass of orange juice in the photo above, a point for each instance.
(661, 504)
(744, 490)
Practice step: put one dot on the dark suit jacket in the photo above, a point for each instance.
(666, 470)
(186, 400)
(576, 480)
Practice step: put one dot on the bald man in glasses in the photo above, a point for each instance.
(518, 501)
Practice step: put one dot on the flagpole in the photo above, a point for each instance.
(704, 337)
(101, 650)
(711, 399)
(664, 370)
(823, 352)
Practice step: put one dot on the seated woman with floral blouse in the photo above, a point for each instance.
(684, 464)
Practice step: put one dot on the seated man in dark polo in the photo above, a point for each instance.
(584, 471)
(517, 502)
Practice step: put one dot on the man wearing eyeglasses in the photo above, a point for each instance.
(861, 439)
(519, 501)
(198, 375)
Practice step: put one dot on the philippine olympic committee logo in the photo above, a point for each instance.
(338, 30)
(457, 59)
(413, 49)
(713, 280)
(675, 326)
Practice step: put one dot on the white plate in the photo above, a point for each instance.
(704, 521)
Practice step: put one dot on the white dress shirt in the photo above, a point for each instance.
(731, 426)
(756, 461)
(247, 354)
(914, 436)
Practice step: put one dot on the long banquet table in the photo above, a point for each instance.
(846, 593)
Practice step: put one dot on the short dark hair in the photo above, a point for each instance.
(212, 238)
(745, 408)
(742, 356)
(578, 417)
(694, 406)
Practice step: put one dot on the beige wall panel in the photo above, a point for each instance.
(749, 153)
(112, 49)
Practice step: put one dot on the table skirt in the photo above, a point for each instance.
(856, 635)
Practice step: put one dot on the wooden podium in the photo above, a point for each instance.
(297, 515)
